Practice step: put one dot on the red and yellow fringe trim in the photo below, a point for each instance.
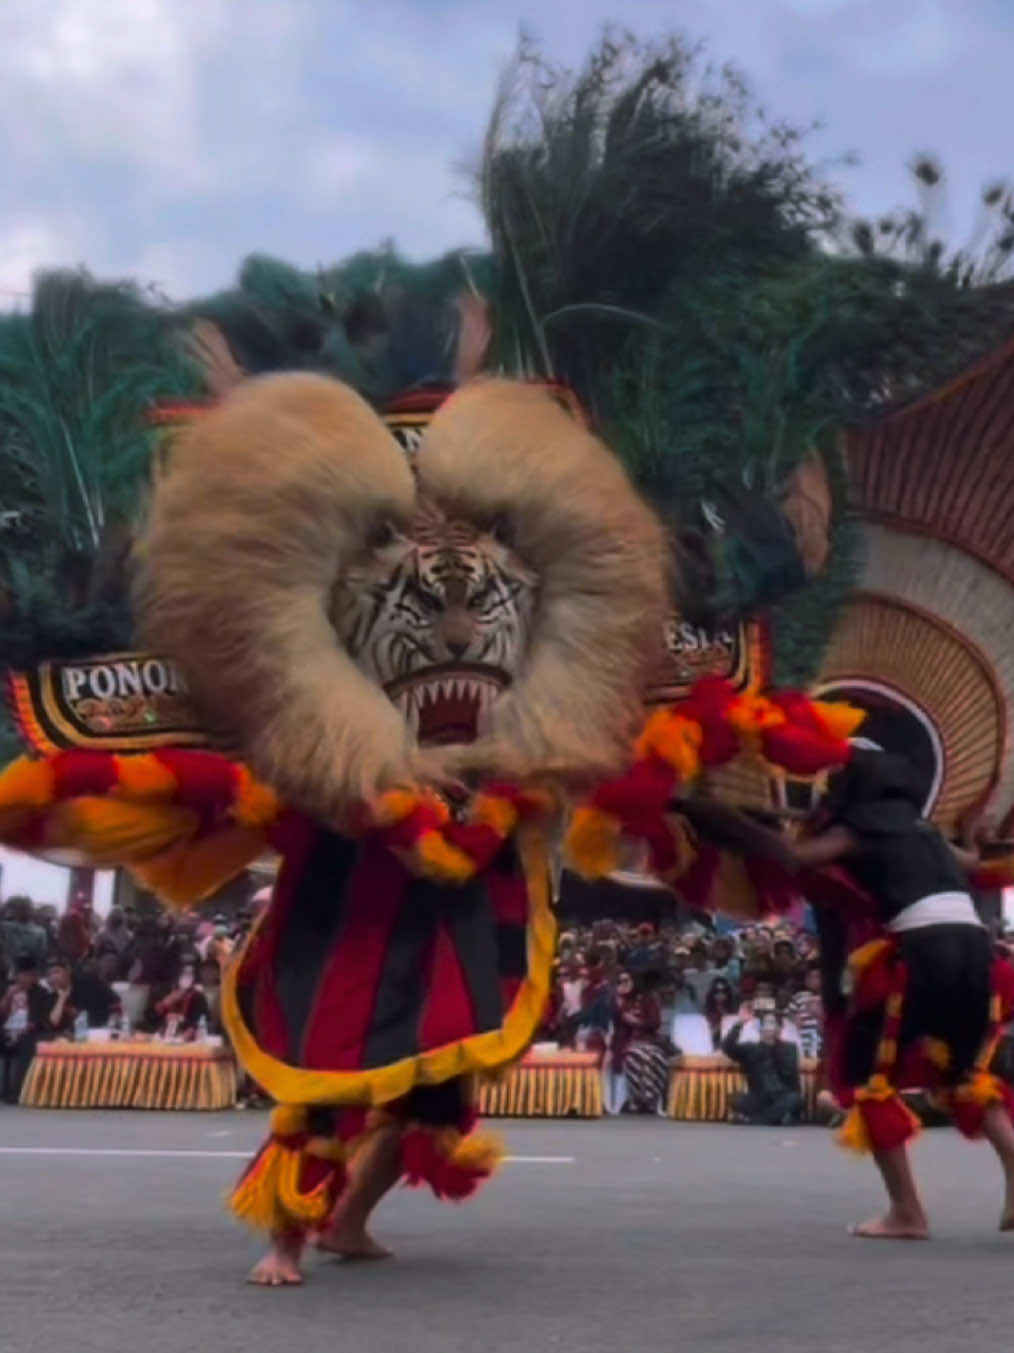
(297, 1178)
(879, 1119)
(419, 829)
(186, 822)
(452, 1163)
(793, 734)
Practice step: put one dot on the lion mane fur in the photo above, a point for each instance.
(271, 496)
(506, 450)
(265, 500)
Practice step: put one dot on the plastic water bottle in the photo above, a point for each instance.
(81, 1028)
(202, 1030)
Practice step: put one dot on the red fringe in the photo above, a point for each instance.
(423, 1162)
(889, 1122)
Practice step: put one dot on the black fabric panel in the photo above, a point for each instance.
(245, 998)
(512, 950)
(440, 1105)
(948, 996)
(394, 1029)
(309, 934)
(473, 929)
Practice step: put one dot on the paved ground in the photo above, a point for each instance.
(650, 1236)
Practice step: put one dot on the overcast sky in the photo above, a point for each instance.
(166, 139)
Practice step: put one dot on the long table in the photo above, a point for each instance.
(138, 1075)
(130, 1075)
(556, 1085)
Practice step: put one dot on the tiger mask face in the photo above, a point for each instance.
(438, 616)
(332, 608)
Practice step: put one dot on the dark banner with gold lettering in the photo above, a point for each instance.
(738, 652)
(116, 703)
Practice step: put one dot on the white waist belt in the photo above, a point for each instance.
(937, 909)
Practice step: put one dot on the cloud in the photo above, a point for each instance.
(30, 243)
(180, 135)
(335, 165)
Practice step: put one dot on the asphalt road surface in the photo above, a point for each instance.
(614, 1236)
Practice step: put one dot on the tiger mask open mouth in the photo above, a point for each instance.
(439, 618)
(332, 609)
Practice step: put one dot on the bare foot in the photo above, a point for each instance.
(352, 1245)
(280, 1266)
(893, 1226)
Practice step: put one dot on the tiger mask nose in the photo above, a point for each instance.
(456, 630)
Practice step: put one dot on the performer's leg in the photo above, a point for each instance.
(280, 1266)
(905, 1219)
(376, 1168)
(999, 1132)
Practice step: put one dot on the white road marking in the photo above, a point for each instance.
(144, 1153)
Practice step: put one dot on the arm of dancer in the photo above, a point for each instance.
(734, 830)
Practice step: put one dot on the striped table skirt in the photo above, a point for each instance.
(564, 1085)
(130, 1076)
(702, 1088)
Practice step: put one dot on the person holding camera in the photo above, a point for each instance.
(774, 1095)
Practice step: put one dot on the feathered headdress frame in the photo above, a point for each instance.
(269, 497)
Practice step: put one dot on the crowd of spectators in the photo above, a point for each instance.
(150, 973)
(639, 996)
(642, 997)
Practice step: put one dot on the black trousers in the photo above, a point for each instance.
(947, 998)
(15, 1059)
(768, 1110)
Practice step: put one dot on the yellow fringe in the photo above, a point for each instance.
(839, 718)
(287, 1120)
(27, 784)
(144, 777)
(490, 811)
(937, 1052)
(982, 1088)
(255, 804)
(478, 1151)
(852, 1135)
(443, 862)
(675, 740)
(593, 842)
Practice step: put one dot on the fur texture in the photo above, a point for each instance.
(286, 492)
(266, 500)
(505, 451)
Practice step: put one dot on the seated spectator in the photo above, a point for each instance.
(211, 988)
(639, 1056)
(591, 1027)
(774, 1094)
(92, 989)
(719, 1011)
(59, 1022)
(24, 1018)
(181, 1011)
(136, 998)
(806, 1011)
